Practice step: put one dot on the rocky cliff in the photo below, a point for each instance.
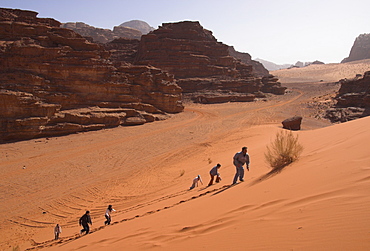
(102, 35)
(360, 49)
(122, 50)
(200, 63)
(353, 99)
(258, 68)
(54, 82)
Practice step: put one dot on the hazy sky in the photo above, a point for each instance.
(281, 31)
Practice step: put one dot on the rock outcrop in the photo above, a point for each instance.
(54, 82)
(353, 99)
(270, 84)
(142, 26)
(360, 49)
(258, 68)
(102, 35)
(198, 61)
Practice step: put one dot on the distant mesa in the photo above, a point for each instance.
(272, 66)
(300, 64)
(142, 26)
(317, 62)
(130, 30)
(100, 35)
(360, 49)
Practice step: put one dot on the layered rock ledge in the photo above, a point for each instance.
(353, 99)
(202, 64)
(48, 73)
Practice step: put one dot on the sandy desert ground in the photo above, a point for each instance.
(320, 202)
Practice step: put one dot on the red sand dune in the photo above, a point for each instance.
(320, 202)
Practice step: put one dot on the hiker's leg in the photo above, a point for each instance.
(211, 181)
(236, 175)
(241, 174)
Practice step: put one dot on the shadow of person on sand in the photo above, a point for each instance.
(266, 176)
(225, 187)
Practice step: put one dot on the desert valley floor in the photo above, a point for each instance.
(320, 202)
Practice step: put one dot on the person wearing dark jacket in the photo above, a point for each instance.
(85, 220)
(240, 158)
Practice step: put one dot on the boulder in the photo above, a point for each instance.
(293, 123)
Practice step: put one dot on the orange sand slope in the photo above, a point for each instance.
(321, 202)
(318, 203)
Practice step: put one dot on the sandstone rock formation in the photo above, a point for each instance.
(258, 68)
(293, 123)
(122, 50)
(360, 49)
(142, 26)
(353, 99)
(102, 35)
(54, 82)
(271, 85)
(199, 62)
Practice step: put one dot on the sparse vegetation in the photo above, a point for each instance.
(284, 150)
(209, 161)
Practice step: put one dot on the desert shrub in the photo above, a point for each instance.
(284, 150)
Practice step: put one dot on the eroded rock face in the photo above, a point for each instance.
(48, 72)
(271, 85)
(258, 68)
(123, 50)
(353, 99)
(360, 49)
(198, 61)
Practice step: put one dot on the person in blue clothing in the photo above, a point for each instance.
(214, 172)
(241, 158)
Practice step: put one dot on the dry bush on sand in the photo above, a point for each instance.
(284, 150)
